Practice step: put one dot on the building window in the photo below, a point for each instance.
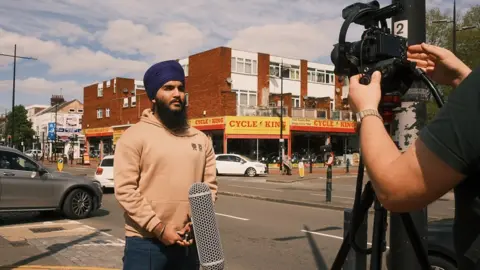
(107, 112)
(293, 72)
(242, 65)
(108, 84)
(100, 90)
(133, 101)
(99, 113)
(125, 102)
(246, 98)
(139, 87)
(185, 69)
(296, 102)
(320, 76)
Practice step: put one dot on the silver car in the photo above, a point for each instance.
(26, 185)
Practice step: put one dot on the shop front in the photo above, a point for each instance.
(309, 135)
(257, 137)
(214, 128)
(99, 141)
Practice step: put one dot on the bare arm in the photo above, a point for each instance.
(408, 181)
(126, 177)
(210, 172)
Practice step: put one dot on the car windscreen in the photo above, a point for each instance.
(108, 162)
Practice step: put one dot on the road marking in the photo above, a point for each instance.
(331, 236)
(46, 223)
(319, 194)
(234, 217)
(256, 188)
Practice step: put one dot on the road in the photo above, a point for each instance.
(256, 234)
(261, 235)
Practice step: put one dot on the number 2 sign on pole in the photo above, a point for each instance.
(400, 28)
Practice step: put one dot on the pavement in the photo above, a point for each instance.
(271, 222)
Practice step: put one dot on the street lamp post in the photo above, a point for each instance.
(15, 56)
(283, 68)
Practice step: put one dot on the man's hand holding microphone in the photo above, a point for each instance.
(167, 234)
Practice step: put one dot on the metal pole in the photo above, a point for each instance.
(408, 121)
(454, 31)
(281, 117)
(13, 91)
(55, 142)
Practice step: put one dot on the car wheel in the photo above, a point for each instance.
(441, 263)
(251, 172)
(78, 204)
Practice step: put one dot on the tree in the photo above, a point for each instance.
(467, 41)
(23, 127)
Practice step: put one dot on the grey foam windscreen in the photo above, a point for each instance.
(205, 228)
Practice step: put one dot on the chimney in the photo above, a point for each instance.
(56, 99)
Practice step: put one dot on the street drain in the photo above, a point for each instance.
(48, 229)
(22, 243)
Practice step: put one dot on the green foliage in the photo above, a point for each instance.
(468, 41)
(23, 127)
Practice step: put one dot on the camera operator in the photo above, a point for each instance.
(446, 155)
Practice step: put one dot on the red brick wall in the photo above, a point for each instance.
(303, 81)
(263, 75)
(113, 101)
(207, 86)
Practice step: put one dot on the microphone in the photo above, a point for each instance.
(205, 229)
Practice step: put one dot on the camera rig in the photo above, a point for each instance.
(377, 50)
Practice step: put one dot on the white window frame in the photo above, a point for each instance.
(133, 101)
(320, 76)
(99, 113)
(292, 74)
(125, 102)
(235, 61)
(108, 84)
(100, 90)
(296, 102)
(185, 69)
(249, 94)
(107, 112)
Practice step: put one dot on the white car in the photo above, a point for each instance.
(32, 152)
(104, 173)
(239, 165)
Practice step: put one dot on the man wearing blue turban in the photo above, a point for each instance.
(156, 162)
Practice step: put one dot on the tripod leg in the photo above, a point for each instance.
(379, 234)
(416, 241)
(359, 213)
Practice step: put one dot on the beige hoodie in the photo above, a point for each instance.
(153, 171)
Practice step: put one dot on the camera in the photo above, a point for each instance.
(378, 49)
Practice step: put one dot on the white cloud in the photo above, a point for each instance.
(297, 40)
(40, 86)
(175, 40)
(68, 30)
(69, 60)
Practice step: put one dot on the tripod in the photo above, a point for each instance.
(363, 202)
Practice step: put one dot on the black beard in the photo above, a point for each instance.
(173, 120)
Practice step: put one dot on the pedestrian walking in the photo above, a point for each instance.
(156, 162)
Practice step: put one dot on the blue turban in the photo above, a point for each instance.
(159, 74)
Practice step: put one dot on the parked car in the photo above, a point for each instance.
(234, 164)
(104, 172)
(34, 153)
(26, 185)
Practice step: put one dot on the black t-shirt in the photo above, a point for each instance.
(454, 136)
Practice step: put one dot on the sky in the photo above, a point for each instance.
(81, 42)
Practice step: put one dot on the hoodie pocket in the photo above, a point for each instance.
(172, 212)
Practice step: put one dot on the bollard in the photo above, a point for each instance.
(329, 184)
(311, 165)
(348, 166)
(301, 169)
(355, 260)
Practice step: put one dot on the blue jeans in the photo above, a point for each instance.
(151, 254)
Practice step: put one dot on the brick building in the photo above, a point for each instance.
(234, 97)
